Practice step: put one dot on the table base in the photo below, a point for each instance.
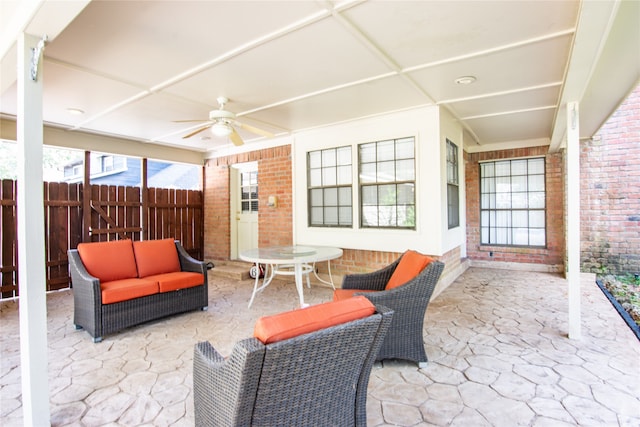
(271, 270)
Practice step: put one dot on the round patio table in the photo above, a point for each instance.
(294, 261)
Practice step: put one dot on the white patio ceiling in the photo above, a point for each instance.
(134, 67)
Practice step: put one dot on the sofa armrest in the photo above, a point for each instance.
(87, 296)
(226, 388)
(374, 281)
(188, 263)
(80, 277)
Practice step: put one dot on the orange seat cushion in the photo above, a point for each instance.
(156, 257)
(410, 265)
(109, 261)
(126, 289)
(270, 329)
(342, 294)
(177, 280)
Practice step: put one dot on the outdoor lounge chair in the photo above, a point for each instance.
(318, 378)
(408, 295)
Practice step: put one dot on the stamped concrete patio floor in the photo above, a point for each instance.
(496, 341)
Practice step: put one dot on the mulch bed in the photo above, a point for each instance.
(621, 296)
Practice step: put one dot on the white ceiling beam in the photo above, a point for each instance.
(226, 56)
(511, 145)
(500, 93)
(38, 17)
(380, 54)
(617, 72)
(250, 45)
(505, 113)
(64, 138)
(316, 93)
(485, 52)
(595, 20)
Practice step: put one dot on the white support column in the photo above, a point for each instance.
(31, 249)
(573, 218)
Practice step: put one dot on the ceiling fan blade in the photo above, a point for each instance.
(255, 130)
(189, 121)
(235, 138)
(200, 129)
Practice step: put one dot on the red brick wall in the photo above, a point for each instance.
(217, 243)
(275, 224)
(274, 179)
(354, 261)
(359, 261)
(610, 193)
(553, 254)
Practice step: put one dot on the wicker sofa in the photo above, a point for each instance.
(307, 367)
(118, 284)
(405, 286)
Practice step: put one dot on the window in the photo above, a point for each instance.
(107, 163)
(387, 184)
(329, 187)
(453, 203)
(249, 191)
(104, 164)
(73, 170)
(512, 203)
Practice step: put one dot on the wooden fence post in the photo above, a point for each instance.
(86, 198)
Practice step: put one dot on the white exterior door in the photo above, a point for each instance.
(244, 207)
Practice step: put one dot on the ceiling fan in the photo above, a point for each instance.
(222, 123)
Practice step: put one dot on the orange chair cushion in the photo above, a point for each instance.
(342, 294)
(410, 265)
(126, 289)
(270, 329)
(156, 257)
(168, 282)
(109, 261)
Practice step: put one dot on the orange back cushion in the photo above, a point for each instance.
(109, 261)
(290, 324)
(156, 257)
(410, 265)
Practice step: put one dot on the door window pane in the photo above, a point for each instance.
(249, 192)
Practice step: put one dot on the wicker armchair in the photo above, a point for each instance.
(316, 379)
(409, 303)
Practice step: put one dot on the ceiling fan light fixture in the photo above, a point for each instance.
(221, 129)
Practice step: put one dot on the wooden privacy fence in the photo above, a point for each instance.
(110, 213)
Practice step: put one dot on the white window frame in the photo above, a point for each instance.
(453, 185)
(513, 203)
(329, 175)
(429, 236)
(384, 174)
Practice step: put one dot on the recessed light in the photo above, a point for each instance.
(75, 111)
(465, 80)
